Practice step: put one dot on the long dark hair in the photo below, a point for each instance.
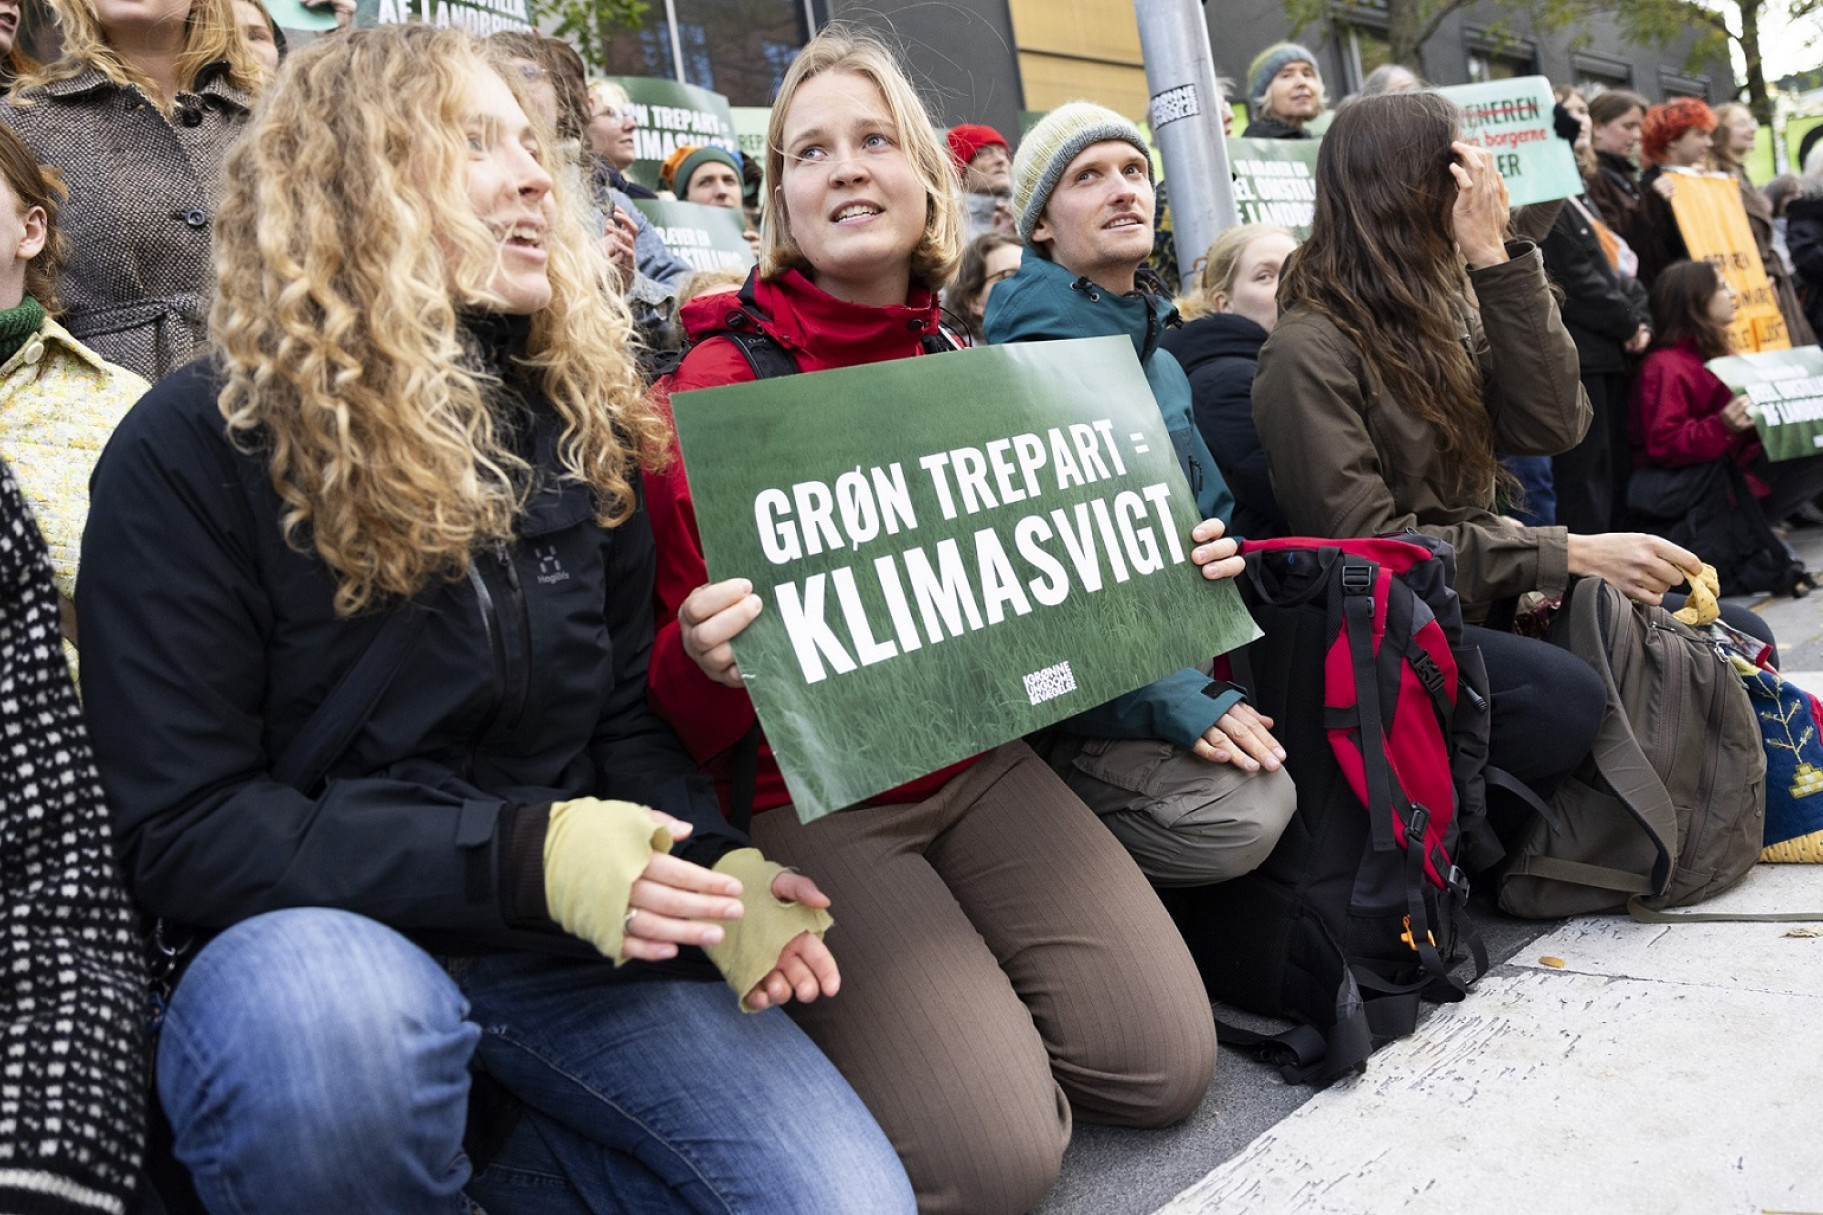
(1381, 265)
(1680, 309)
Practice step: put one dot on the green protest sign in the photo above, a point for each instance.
(1786, 388)
(953, 551)
(750, 123)
(709, 238)
(671, 115)
(1512, 119)
(1275, 181)
(479, 17)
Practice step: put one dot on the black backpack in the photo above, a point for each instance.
(1345, 926)
(1709, 509)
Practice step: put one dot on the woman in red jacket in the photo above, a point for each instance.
(1683, 414)
(1004, 961)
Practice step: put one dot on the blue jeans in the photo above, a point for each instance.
(315, 1060)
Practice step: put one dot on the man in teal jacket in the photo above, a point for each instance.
(1183, 770)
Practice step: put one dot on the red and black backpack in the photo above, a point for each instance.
(1358, 912)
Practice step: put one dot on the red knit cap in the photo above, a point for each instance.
(1665, 123)
(968, 138)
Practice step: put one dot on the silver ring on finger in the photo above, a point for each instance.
(626, 921)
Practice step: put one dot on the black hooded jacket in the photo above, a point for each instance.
(1219, 353)
(207, 642)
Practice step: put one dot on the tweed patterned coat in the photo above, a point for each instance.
(141, 205)
(72, 991)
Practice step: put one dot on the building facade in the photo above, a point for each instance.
(987, 60)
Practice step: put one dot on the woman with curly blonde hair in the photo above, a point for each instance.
(136, 115)
(370, 600)
(1008, 967)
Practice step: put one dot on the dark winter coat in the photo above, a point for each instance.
(1220, 354)
(72, 988)
(1615, 192)
(141, 204)
(1657, 238)
(1271, 128)
(208, 641)
(1601, 312)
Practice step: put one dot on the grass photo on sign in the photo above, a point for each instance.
(953, 551)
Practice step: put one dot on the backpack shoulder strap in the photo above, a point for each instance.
(326, 736)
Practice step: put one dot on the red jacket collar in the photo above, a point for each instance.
(820, 329)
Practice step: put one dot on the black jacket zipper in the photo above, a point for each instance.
(519, 676)
(496, 649)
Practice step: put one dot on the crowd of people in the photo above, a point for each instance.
(410, 722)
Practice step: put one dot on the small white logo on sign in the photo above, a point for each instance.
(1050, 683)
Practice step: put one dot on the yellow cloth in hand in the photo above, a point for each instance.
(1701, 607)
(749, 949)
(593, 853)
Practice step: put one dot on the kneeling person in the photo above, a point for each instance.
(1183, 771)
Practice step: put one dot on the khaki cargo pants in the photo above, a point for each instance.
(1186, 821)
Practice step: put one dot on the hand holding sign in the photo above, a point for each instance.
(954, 551)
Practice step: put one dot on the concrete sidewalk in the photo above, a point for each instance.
(1664, 1068)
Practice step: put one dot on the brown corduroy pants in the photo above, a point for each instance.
(1004, 962)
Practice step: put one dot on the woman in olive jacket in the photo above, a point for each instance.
(136, 116)
(1384, 398)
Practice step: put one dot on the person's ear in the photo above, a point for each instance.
(1041, 230)
(1219, 302)
(37, 229)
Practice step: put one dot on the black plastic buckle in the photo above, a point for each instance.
(1457, 882)
(1415, 823)
(1357, 578)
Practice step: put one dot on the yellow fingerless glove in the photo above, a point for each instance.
(593, 853)
(749, 948)
(1701, 607)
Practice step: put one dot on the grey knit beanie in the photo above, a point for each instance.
(1049, 147)
(1268, 63)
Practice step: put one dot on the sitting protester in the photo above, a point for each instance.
(989, 259)
(1184, 772)
(390, 769)
(1006, 968)
(72, 983)
(1685, 419)
(1379, 415)
(1230, 313)
(59, 400)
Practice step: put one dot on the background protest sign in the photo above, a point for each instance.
(672, 114)
(479, 17)
(1512, 119)
(953, 551)
(1275, 181)
(750, 123)
(1786, 387)
(709, 238)
(1714, 224)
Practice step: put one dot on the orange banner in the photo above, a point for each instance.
(1714, 224)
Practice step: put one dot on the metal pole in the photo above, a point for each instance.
(1187, 123)
(677, 43)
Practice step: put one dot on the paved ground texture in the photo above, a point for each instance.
(1661, 1068)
